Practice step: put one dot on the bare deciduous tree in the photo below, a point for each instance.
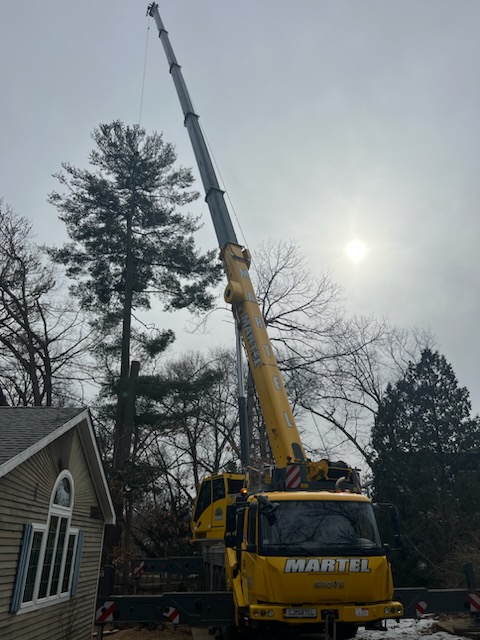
(335, 368)
(353, 383)
(42, 335)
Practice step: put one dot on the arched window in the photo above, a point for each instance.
(63, 493)
(50, 555)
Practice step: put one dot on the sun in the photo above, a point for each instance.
(356, 250)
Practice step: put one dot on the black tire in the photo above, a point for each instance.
(346, 630)
(228, 632)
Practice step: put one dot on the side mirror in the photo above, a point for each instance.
(231, 518)
(389, 522)
(268, 509)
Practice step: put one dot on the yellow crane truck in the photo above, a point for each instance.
(303, 552)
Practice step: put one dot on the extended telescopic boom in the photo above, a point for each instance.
(277, 414)
(214, 195)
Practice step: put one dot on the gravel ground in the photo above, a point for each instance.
(139, 633)
(409, 629)
(405, 630)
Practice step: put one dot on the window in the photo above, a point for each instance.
(306, 527)
(234, 485)
(218, 489)
(49, 559)
(204, 499)
(252, 525)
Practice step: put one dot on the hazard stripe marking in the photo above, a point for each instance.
(105, 613)
(293, 476)
(474, 600)
(138, 569)
(173, 615)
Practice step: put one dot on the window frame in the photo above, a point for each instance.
(52, 563)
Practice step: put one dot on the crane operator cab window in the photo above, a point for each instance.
(204, 499)
(214, 494)
(313, 527)
(212, 489)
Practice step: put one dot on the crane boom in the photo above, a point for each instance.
(213, 194)
(277, 414)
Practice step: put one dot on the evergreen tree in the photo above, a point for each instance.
(426, 443)
(129, 243)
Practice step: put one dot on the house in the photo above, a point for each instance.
(54, 504)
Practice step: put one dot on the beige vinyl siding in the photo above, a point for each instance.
(24, 498)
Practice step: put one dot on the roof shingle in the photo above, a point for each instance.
(22, 427)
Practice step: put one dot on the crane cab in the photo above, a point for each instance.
(214, 494)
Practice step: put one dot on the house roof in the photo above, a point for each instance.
(26, 430)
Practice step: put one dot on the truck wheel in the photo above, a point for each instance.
(227, 632)
(346, 630)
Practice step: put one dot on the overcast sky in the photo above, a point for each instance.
(329, 120)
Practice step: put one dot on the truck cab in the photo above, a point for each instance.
(300, 558)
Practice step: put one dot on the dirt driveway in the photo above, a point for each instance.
(167, 633)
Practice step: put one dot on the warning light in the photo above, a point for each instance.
(243, 491)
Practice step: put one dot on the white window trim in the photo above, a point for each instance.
(60, 512)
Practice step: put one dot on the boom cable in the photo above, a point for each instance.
(227, 195)
(144, 72)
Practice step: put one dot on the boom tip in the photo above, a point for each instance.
(151, 7)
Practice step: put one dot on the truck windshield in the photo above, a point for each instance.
(305, 527)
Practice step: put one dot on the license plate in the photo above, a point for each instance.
(299, 612)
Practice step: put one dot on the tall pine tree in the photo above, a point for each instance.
(129, 243)
(427, 447)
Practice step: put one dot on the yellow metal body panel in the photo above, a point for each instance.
(212, 521)
(328, 579)
(277, 414)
